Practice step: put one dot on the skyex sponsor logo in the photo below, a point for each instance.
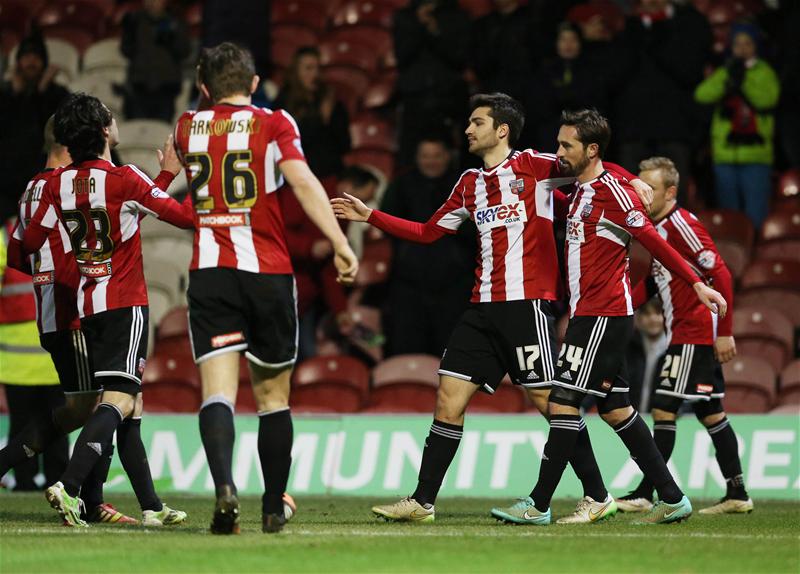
(500, 215)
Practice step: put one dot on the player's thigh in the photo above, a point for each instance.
(452, 398)
(270, 301)
(271, 387)
(117, 345)
(219, 376)
(217, 319)
(69, 351)
(592, 355)
(524, 337)
(471, 355)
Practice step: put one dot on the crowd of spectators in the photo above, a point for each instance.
(717, 97)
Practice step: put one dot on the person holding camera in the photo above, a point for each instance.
(744, 92)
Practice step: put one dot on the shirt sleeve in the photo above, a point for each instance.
(287, 136)
(148, 198)
(45, 219)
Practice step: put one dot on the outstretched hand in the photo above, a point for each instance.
(168, 157)
(350, 208)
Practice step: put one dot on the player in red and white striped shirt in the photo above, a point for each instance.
(99, 205)
(605, 213)
(697, 342)
(241, 288)
(509, 326)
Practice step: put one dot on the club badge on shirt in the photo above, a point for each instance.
(517, 186)
(586, 212)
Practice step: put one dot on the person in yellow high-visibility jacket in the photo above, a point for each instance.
(26, 370)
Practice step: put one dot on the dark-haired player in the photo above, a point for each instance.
(509, 326)
(100, 206)
(698, 343)
(604, 214)
(241, 289)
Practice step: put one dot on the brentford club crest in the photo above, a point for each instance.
(586, 212)
(517, 186)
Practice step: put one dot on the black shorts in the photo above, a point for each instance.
(72, 361)
(492, 339)
(233, 310)
(592, 357)
(117, 344)
(691, 372)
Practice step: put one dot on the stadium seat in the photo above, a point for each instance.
(379, 40)
(789, 388)
(152, 228)
(369, 132)
(193, 16)
(404, 383)
(784, 300)
(171, 383)
(147, 135)
(781, 273)
(383, 161)
(167, 274)
(371, 12)
(730, 225)
(367, 336)
(476, 8)
(764, 332)
(77, 37)
(82, 14)
(789, 185)
(145, 159)
(311, 14)
(380, 93)
(376, 262)
(15, 15)
(287, 38)
(104, 57)
(779, 249)
(749, 385)
(177, 251)
(734, 255)
(174, 323)
(349, 53)
(782, 224)
(101, 86)
(508, 398)
(787, 409)
(174, 346)
(330, 384)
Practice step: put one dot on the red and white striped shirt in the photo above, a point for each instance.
(53, 267)
(232, 154)
(687, 321)
(100, 205)
(604, 214)
(512, 207)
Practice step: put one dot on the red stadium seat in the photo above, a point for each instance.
(476, 8)
(369, 132)
(379, 40)
(781, 273)
(171, 383)
(380, 93)
(371, 12)
(784, 300)
(789, 391)
(330, 384)
(764, 332)
(376, 262)
(789, 185)
(507, 398)
(383, 161)
(349, 85)
(287, 38)
(405, 383)
(729, 225)
(173, 346)
(174, 324)
(787, 409)
(15, 15)
(784, 249)
(734, 255)
(749, 385)
(783, 224)
(349, 53)
(311, 14)
(81, 14)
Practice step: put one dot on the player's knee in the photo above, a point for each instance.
(564, 401)
(452, 400)
(709, 412)
(617, 416)
(662, 415)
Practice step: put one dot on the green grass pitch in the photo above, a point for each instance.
(337, 534)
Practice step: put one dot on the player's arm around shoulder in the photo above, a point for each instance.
(314, 201)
